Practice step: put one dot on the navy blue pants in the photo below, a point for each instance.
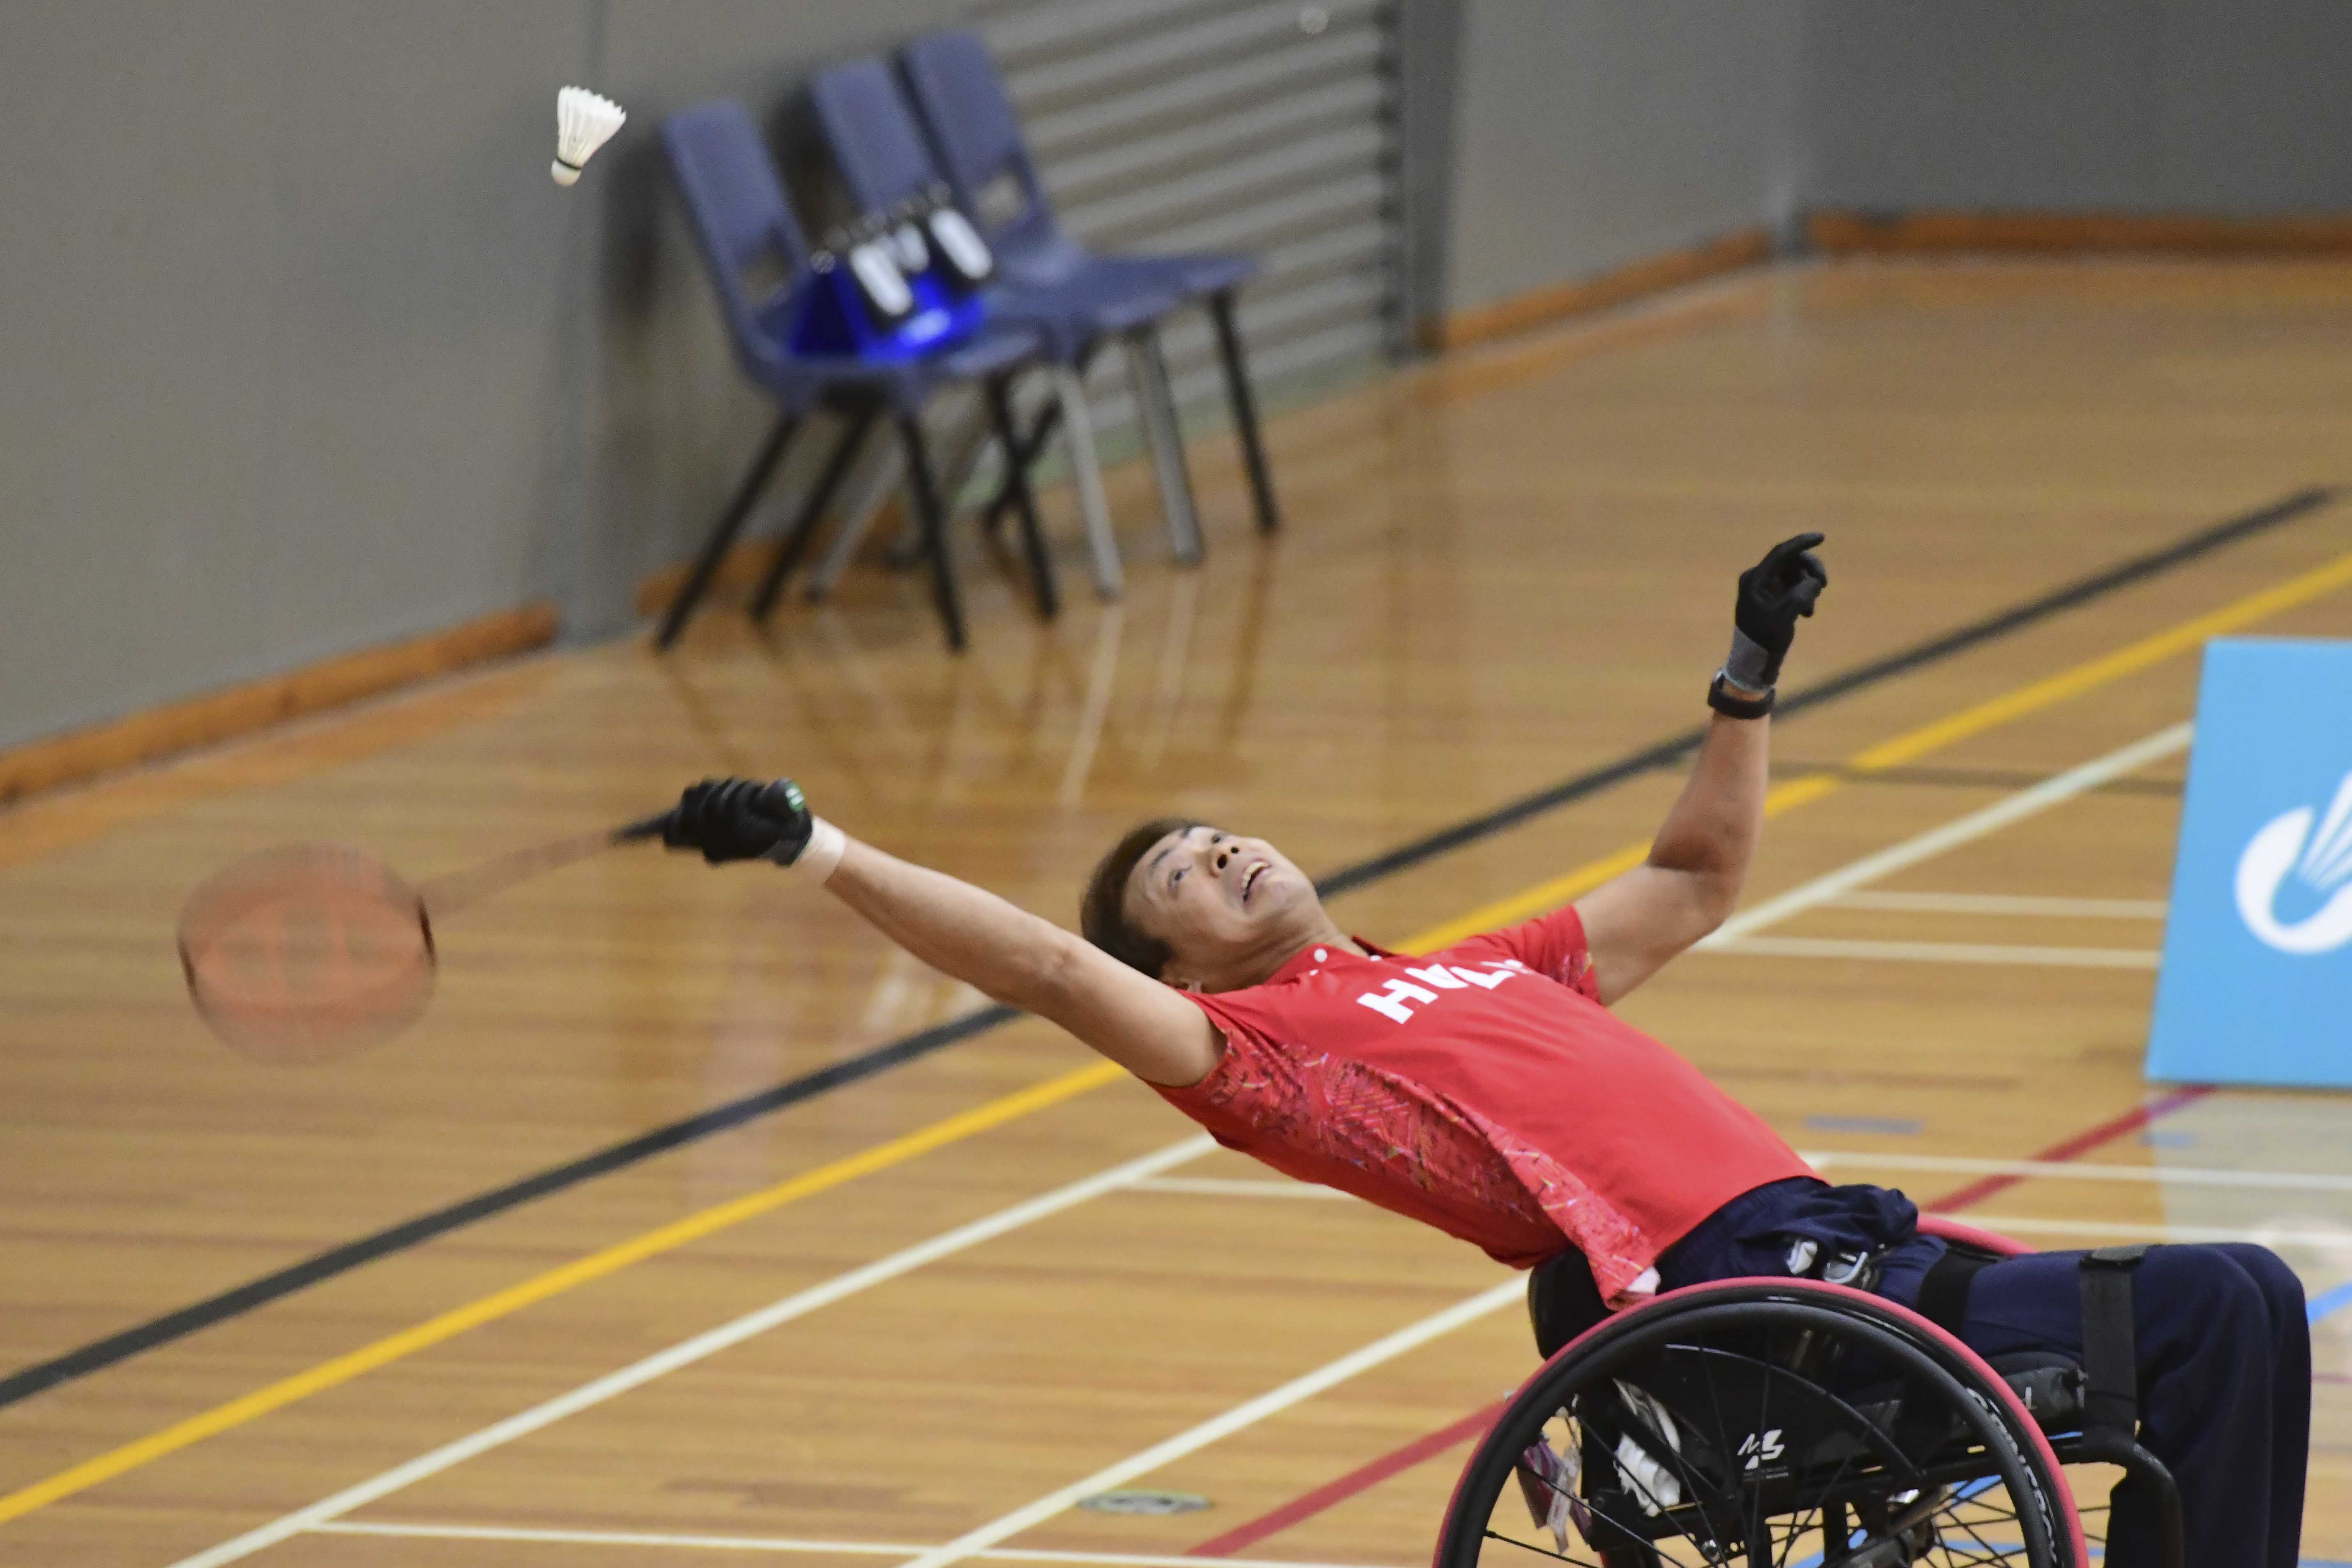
(2224, 1388)
(2224, 1352)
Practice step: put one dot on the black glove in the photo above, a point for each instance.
(1772, 594)
(740, 819)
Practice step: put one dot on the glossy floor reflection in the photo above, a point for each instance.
(1499, 572)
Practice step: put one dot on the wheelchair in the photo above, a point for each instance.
(1791, 1422)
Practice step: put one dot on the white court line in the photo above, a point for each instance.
(1932, 951)
(1237, 1187)
(1296, 1391)
(2006, 904)
(787, 1545)
(1959, 1164)
(2039, 797)
(611, 1538)
(2023, 1226)
(2001, 814)
(703, 1345)
(2264, 1236)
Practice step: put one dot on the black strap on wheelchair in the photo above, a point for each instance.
(1944, 1291)
(1562, 1300)
(2110, 1351)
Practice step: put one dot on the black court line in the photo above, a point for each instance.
(1671, 751)
(147, 1336)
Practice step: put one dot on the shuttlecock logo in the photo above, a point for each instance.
(2320, 866)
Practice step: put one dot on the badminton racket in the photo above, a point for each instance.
(312, 953)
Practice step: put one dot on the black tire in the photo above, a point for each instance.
(1762, 1419)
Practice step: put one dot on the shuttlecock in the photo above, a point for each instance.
(584, 121)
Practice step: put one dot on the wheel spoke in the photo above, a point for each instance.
(1845, 1412)
(1756, 1527)
(1992, 1553)
(1531, 1546)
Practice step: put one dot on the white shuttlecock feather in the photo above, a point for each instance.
(584, 121)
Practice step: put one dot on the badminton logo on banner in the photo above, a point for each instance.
(2256, 986)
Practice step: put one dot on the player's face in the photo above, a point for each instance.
(1223, 904)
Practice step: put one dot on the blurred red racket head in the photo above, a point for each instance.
(307, 954)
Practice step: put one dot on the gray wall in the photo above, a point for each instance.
(301, 350)
(278, 351)
(1591, 133)
(2204, 106)
(1588, 133)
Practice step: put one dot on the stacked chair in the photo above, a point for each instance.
(963, 103)
(1050, 304)
(741, 219)
(878, 150)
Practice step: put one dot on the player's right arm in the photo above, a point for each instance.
(960, 930)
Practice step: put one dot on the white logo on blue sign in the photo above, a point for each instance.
(2256, 982)
(2320, 865)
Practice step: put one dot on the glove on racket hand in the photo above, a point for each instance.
(1773, 593)
(740, 819)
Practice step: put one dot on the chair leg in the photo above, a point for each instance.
(1147, 373)
(1041, 565)
(1093, 507)
(973, 440)
(1245, 406)
(796, 538)
(885, 471)
(1041, 430)
(730, 523)
(933, 519)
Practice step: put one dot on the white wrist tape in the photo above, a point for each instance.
(1750, 663)
(826, 845)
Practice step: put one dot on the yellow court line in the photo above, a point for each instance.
(1914, 744)
(1785, 797)
(515, 1298)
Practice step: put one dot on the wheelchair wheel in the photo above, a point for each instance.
(1777, 1423)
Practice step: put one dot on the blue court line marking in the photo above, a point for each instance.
(1898, 1126)
(1965, 1492)
(2097, 1550)
(2326, 1303)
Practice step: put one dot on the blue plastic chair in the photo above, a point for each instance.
(878, 148)
(741, 219)
(963, 106)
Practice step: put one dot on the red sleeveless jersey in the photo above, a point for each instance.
(1483, 1089)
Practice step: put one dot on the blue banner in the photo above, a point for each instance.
(2256, 984)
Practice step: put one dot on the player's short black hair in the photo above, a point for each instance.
(1102, 912)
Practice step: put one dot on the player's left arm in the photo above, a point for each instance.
(1691, 880)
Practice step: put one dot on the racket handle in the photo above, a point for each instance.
(648, 827)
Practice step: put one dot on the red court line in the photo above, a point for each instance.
(2080, 1143)
(1362, 1479)
(1331, 1493)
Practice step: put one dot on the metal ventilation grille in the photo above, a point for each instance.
(1164, 125)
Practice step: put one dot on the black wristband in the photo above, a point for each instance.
(1720, 697)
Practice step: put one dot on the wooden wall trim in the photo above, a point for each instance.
(1868, 234)
(1652, 274)
(154, 733)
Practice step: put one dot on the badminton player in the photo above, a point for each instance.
(1487, 1088)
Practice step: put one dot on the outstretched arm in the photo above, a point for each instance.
(1030, 964)
(960, 930)
(1698, 862)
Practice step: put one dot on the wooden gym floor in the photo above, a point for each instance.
(991, 1277)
